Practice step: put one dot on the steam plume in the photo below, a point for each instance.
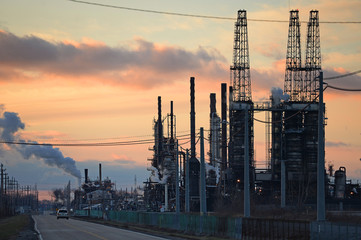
(278, 95)
(10, 124)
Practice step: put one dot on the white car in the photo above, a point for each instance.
(62, 213)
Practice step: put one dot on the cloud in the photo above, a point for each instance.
(144, 64)
(271, 50)
(353, 81)
(337, 144)
(123, 162)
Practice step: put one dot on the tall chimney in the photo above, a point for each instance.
(86, 175)
(224, 124)
(100, 174)
(194, 165)
(213, 128)
(160, 133)
(171, 120)
(212, 98)
(193, 121)
(230, 119)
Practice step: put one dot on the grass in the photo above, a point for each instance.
(11, 226)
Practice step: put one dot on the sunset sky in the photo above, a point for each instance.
(74, 71)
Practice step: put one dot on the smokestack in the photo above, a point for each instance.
(224, 124)
(100, 174)
(193, 161)
(213, 128)
(212, 98)
(86, 175)
(160, 132)
(230, 146)
(171, 120)
(193, 121)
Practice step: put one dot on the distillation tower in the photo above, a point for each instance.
(160, 188)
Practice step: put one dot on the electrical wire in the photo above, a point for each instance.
(105, 144)
(153, 11)
(344, 89)
(293, 115)
(96, 144)
(201, 16)
(327, 85)
(342, 76)
(103, 139)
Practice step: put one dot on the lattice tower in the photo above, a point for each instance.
(240, 72)
(313, 57)
(293, 76)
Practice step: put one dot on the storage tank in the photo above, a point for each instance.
(340, 182)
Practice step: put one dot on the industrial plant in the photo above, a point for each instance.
(294, 125)
(184, 180)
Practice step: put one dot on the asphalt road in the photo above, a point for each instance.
(52, 229)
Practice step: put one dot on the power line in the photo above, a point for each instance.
(97, 144)
(342, 76)
(153, 11)
(202, 16)
(104, 139)
(344, 89)
(293, 115)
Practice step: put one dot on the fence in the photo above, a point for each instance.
(188, 223)
(334, 231)
(254, 228)
(235, 228)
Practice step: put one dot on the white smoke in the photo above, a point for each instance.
(210, 168)
(154, 174)
(165, 177)
(278, 95)
(10, 124)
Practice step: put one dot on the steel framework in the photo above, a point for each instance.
(293, 76)
(241, 106)
(240, 72)
(313, 57)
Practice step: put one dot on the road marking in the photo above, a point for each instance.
(90, 233)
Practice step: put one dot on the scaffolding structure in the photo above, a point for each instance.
(294, 122)
(313, 57)
(240, 102)
(293, 75)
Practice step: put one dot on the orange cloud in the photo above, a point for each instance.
(145, 65)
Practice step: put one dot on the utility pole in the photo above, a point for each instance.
(202, 190)
(283, 184)
(321, 211)
(187, 207)
(2, 179)
(177, 181)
